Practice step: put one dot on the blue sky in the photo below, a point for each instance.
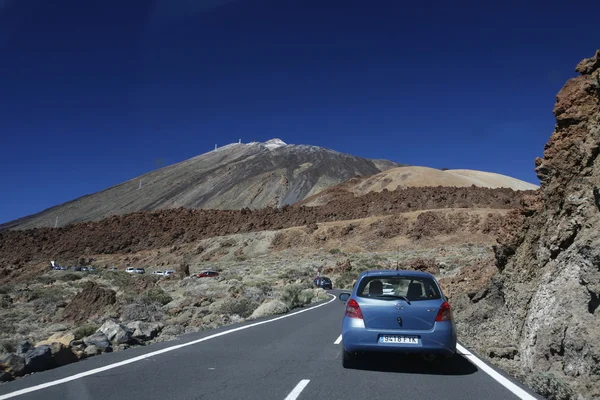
(97, 92)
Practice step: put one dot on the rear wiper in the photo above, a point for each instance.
(393, 296)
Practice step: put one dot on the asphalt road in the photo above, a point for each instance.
(293, 357)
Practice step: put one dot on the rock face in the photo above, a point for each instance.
(92, 300)
(545, 300)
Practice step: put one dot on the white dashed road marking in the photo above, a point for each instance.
(297, 390)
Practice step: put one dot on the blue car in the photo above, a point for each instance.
(397, 311)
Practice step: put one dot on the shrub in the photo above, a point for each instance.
(120, 279)
(335, 251)
(307, 296)
(8, 346)
(239, 306)
(45, 279)
(48, 295)
(156, 295)
(346, 280)
(84, 331)
(550, 386)
(5, 289)
(69, 277)
(268, 308)
(294, 296)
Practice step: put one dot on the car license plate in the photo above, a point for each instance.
(399, 339)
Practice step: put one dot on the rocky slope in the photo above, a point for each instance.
(540, 315)
(147, 230)
(415, 177)
(253, 175)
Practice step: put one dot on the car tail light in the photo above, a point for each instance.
(444, 313)
(353, 309)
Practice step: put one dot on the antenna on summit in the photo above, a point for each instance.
(215, 146)
(240, 141)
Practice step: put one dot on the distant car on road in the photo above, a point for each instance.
(206, 274)
(169, 272)
(414, 318)
(158, 273)
(323, 282)
(132, 270)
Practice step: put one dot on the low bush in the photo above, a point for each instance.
(239, 306)
(69, 277)
(84, 331)
(156, 295)
(294, 296)
(551, 387)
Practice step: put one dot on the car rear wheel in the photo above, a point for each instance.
(348, 359)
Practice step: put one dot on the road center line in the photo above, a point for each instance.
(338, 340)
(297, 390)
(154, 353)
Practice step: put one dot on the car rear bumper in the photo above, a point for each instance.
(439, 340)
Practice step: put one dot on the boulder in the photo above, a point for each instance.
(145, 330)
(78, 350)
(63, 338)
(115, 333)
(13, 364)
(23, 347)
(92, 350)
(62, 354)
(39, 359)
(5, 376)
(98, 340)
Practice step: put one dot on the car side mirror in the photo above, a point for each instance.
(344, 296)
(446, 298)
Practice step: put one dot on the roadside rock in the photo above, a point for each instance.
(5, 376)
(39, 359)
(91, 301)
(92, 350)
(62, 354)
(115, 333)
(98, 340)
(24, 347)
(63, 338)
(145, 330)
(12, 364)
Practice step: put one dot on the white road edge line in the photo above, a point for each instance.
(517, 391)
(495, 375)
(297, 390)
(338, 340)
(154, 353)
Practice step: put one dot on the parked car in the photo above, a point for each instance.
(206, 274)
(323, 282)
(169, 272)
(132, 270)
(158, 273)
(415, 318)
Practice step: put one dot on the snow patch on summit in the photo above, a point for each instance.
(274, 143)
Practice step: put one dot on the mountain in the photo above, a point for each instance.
(414, 176)
(235, 176)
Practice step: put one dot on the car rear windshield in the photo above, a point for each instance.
(414, 288)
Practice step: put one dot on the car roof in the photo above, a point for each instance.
(392, 272)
